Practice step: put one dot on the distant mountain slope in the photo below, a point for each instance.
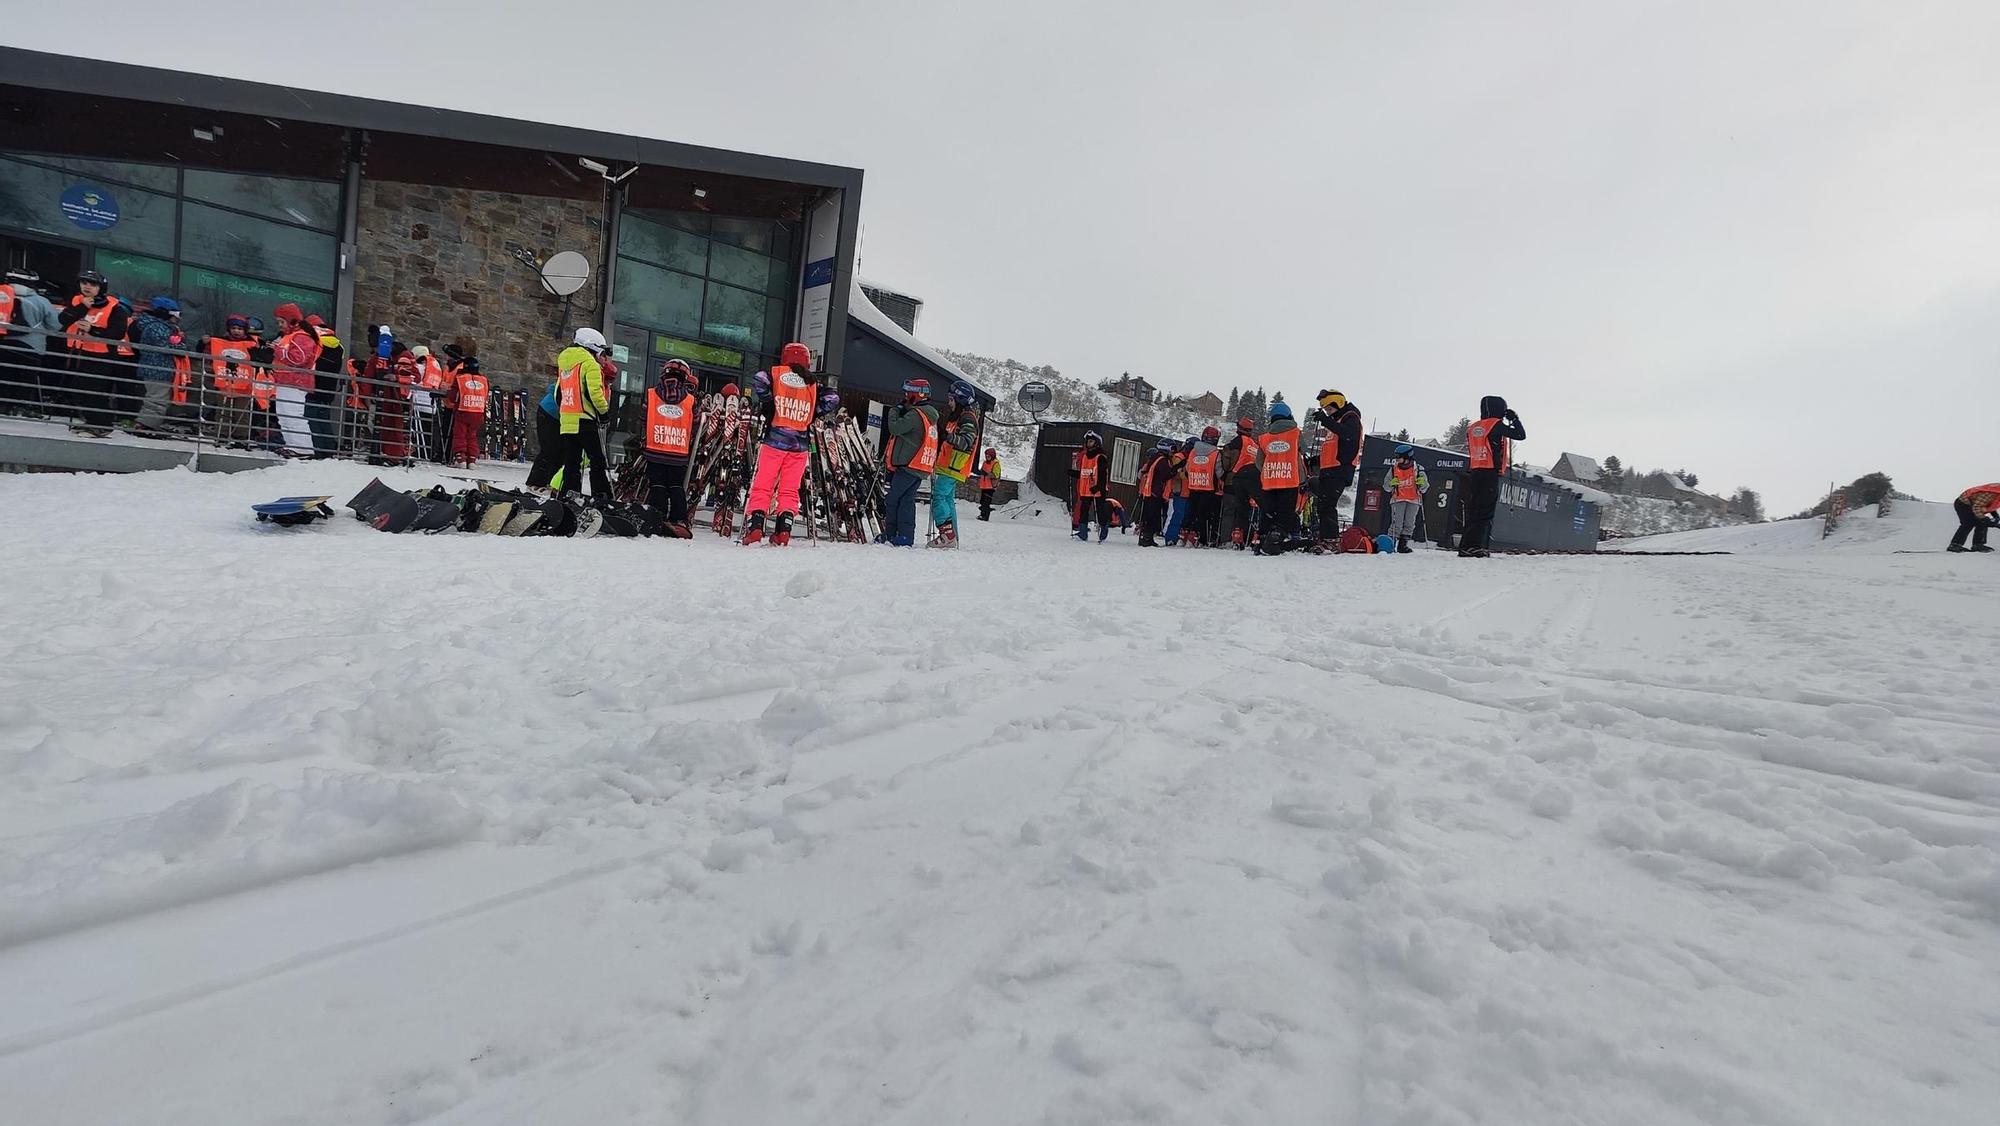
(1910, 525)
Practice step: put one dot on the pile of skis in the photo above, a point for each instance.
(846, 486)
(496, 511)
(719, 466)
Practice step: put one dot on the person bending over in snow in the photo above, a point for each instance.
(1978, 509)
(789, 396)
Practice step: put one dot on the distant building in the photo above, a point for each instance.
(1665, 486)
(1131, 387)
(1578, 468)
(898, 307)
(1207, 404)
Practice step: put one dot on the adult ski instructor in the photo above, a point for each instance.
(1489, 453)
(789, 396)
(581, 400)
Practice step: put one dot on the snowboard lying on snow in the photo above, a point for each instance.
(290, 511)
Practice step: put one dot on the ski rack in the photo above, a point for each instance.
(848, 492)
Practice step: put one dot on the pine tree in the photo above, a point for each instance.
(1235, 400)
(1614, 472)
(1403, 435)
(1454, 435)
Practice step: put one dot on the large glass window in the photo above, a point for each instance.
(46, 201)
(662, 245)
(709, 278)
(209, 296)
(656, 298)
(229, 243)
(734, 316)
(310, 203)
(214, 237)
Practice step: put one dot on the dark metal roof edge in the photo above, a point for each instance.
(22, 67)
(919, 357)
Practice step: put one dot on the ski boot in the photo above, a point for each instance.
(947, 537)
(1958, 547)
(679, 532)
(1082, 533)
(781, 533)
(1981, 547)
(753, 532)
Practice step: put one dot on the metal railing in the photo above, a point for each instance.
(253, 404)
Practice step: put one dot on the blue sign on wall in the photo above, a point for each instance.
(89, 206)
(819, 273)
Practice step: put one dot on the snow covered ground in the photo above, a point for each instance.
(1909, 525)
(327, 826)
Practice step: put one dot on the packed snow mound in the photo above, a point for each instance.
(324, 826)
(1909, 525)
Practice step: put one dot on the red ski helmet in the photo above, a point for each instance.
(1245, 426)
(796, 355)
(730, 389)
(1210, 434)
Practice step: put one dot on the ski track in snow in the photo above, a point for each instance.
(324, 826)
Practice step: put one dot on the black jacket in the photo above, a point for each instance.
(1493, 406)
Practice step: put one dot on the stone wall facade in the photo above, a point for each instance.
(434, 262)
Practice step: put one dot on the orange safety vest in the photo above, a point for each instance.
(793, 398)
(1479, 448)
(1403, 483)
(183, 378)
(669, 426)
(472, 389)
(988, 472)
(6, 307)
(433, 374)
(569, 390)
(232, 372)
(1245, 456)
(1281, 460)
(1088, 468)
(79, 331)
(927, 453)
(1201, 471)
(263, 385)
(1330, 453)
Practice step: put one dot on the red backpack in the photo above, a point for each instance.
(1355, 540)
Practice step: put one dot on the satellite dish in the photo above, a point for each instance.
(565, 272)
(1035, 397)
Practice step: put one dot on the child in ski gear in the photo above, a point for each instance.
(789, 397)
(230, 375)
(1089, 473)
(294, 367)
(325, 393)
(989, 477)
(581, 401)
(959, 436)
(469, 392)
(1238, 466)
(92, 320)
(1406, 485)
(909, 456)
(1201, 473)
(1978, 509)
(1156, 474)
(1339, 455)
(1115, 509)
(1177, 495)
(156, 328)
(1489, 454)
(548, 441)
(1279, 470)
(667, 440)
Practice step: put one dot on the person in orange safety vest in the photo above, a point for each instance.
(1406, 483)
(1280, 472)
(989, 479)
(1089, 473)
(668, 436)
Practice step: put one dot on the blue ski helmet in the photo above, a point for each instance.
(1385, 544)
(1281, 410)
(1406, 450)
(962, 393)
(166, 305)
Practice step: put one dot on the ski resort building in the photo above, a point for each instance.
(238, 196)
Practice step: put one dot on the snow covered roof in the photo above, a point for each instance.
(863, 312)
(1585, 468)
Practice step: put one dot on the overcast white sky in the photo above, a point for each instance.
(1754, 239)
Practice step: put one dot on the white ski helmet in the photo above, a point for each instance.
(589, 338)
